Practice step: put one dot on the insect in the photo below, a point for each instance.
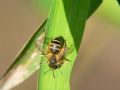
(55, 53)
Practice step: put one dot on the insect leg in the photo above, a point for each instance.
(48, 71)
(66, 59)
(42, 51)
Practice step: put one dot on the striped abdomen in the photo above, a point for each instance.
(56, 45)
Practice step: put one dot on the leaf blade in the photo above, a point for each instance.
(26, 63)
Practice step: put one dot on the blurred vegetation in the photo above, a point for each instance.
(110, 11)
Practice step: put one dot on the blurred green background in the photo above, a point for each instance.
(97, 66)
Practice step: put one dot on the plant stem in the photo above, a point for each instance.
(67, 19)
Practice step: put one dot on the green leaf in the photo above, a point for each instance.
(26, 62)
(94, 4)
(118, 1)
(110, 11)
(67, 18)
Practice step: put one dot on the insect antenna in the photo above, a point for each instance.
(47, 71)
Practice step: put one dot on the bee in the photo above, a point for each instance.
(55, 53)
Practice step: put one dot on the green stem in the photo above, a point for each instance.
(67, 19)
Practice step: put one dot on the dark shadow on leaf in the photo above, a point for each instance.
(77, 19)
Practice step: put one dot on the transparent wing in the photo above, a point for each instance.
(69, 50)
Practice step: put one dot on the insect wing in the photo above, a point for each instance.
(69, 50)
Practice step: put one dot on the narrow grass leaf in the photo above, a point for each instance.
(26, 62)
(67, 19)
